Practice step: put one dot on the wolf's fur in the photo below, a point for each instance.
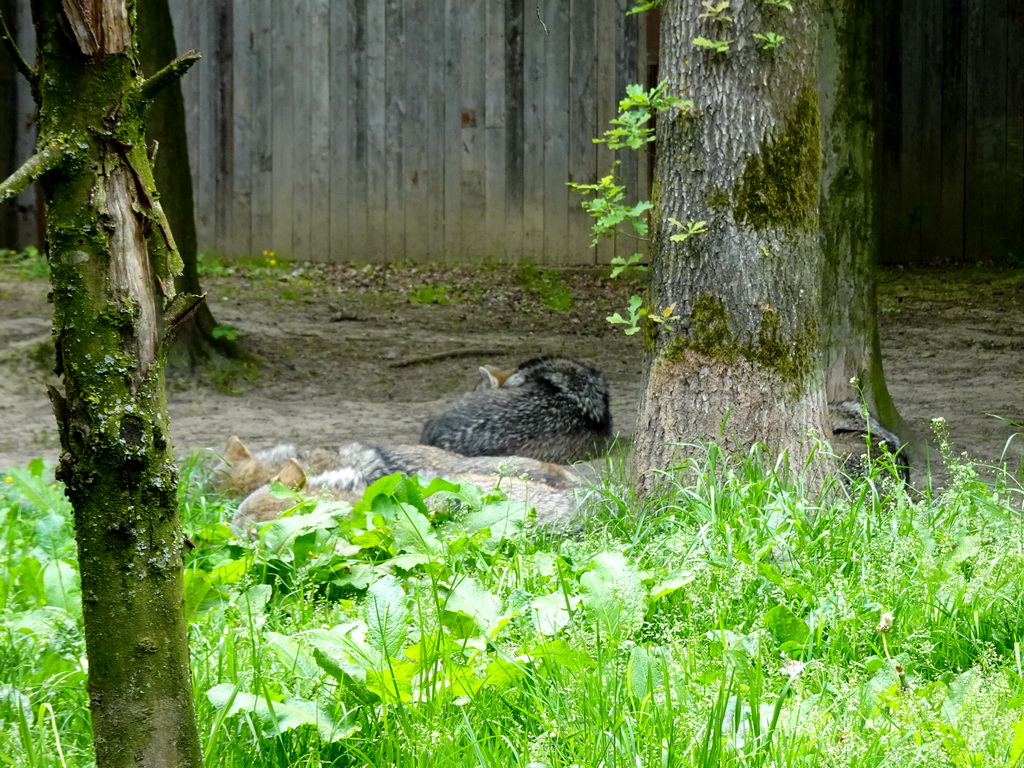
(554, 505)
(261, 506)
(242, 471)
(552, 409)
(851, 425)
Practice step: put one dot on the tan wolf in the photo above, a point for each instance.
(549, 408)
(554, 505)
(242, 471)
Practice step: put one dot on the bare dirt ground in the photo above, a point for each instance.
(370, 353)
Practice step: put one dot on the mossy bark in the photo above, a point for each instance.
(113, 263)
(742, 365)
(849, 209)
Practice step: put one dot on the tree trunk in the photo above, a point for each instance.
(193, 341)
(113, 263)
(742, 363)
(849, 208)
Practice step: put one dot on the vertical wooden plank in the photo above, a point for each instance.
(262, 214)
(396, 128)
(472, 120)
(341, 247)
(433, 185)
(320, 131)
(283, 127)
(302, 138)
(377, 130)
(608, 18)
(422, 30)
(992, 129)
(950, 226)
(1015, 136)
(495, 135)
(452, 129)
(888, 127)
(514, 127)
(930, 111)
(582, 155)
(205, 162)
(358, 200)
(556, 132)
(240, 193)
(534, 124)
(223, 120)
(977, 39)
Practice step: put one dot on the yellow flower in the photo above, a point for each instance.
(8, 479)
(272, 262)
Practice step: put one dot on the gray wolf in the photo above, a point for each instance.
(549, 408)
(852, 426)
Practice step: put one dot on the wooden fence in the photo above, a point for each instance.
(374, 130)
(446, 129)
(951, 131)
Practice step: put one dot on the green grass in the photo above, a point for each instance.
(729, 621)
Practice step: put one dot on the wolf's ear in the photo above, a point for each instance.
(235, 451)
(491, 376)
(292, 475)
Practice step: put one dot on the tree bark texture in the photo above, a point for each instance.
(849, 208)
(745, 351)
(113, 262)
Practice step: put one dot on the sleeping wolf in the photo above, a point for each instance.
(549, 408)
(553, 504)
(242, 471)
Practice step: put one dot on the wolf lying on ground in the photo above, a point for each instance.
(851, 425)
(549, 408)
(344, 473)
(241, 471)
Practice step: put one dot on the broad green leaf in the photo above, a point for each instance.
(252, 604)
(413, 532)
(669, 586)
(387, 617)
(964, 687)
(279, 716)
(786, 625)
(471, 599)
(614, 595)
(62, 585)
(551, 612)
(291, 654)
(642, 672)
(1017, 744)
(558, 651)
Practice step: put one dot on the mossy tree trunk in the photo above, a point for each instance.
(193, 341)
(745, 351)
(849, 208)
(112, 264)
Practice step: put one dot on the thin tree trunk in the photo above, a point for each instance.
(742, 363)
(113, 263)
(849, 209)
(193, 341)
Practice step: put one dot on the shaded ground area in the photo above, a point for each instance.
(370, 353)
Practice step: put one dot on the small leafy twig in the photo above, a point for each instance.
(690, 229)
(718, 46)
(716, 12)
(176, 69)
(770, 39)
(46, 159)
(638, 312)
(620, 265)
(781, 3)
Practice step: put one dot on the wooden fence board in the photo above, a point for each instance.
(282, 128)
(240, 185)
(394, 128)
(470, 215)
(262, 213)
(320, 131)
(950, 224)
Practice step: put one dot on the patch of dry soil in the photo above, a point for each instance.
(365, 353)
